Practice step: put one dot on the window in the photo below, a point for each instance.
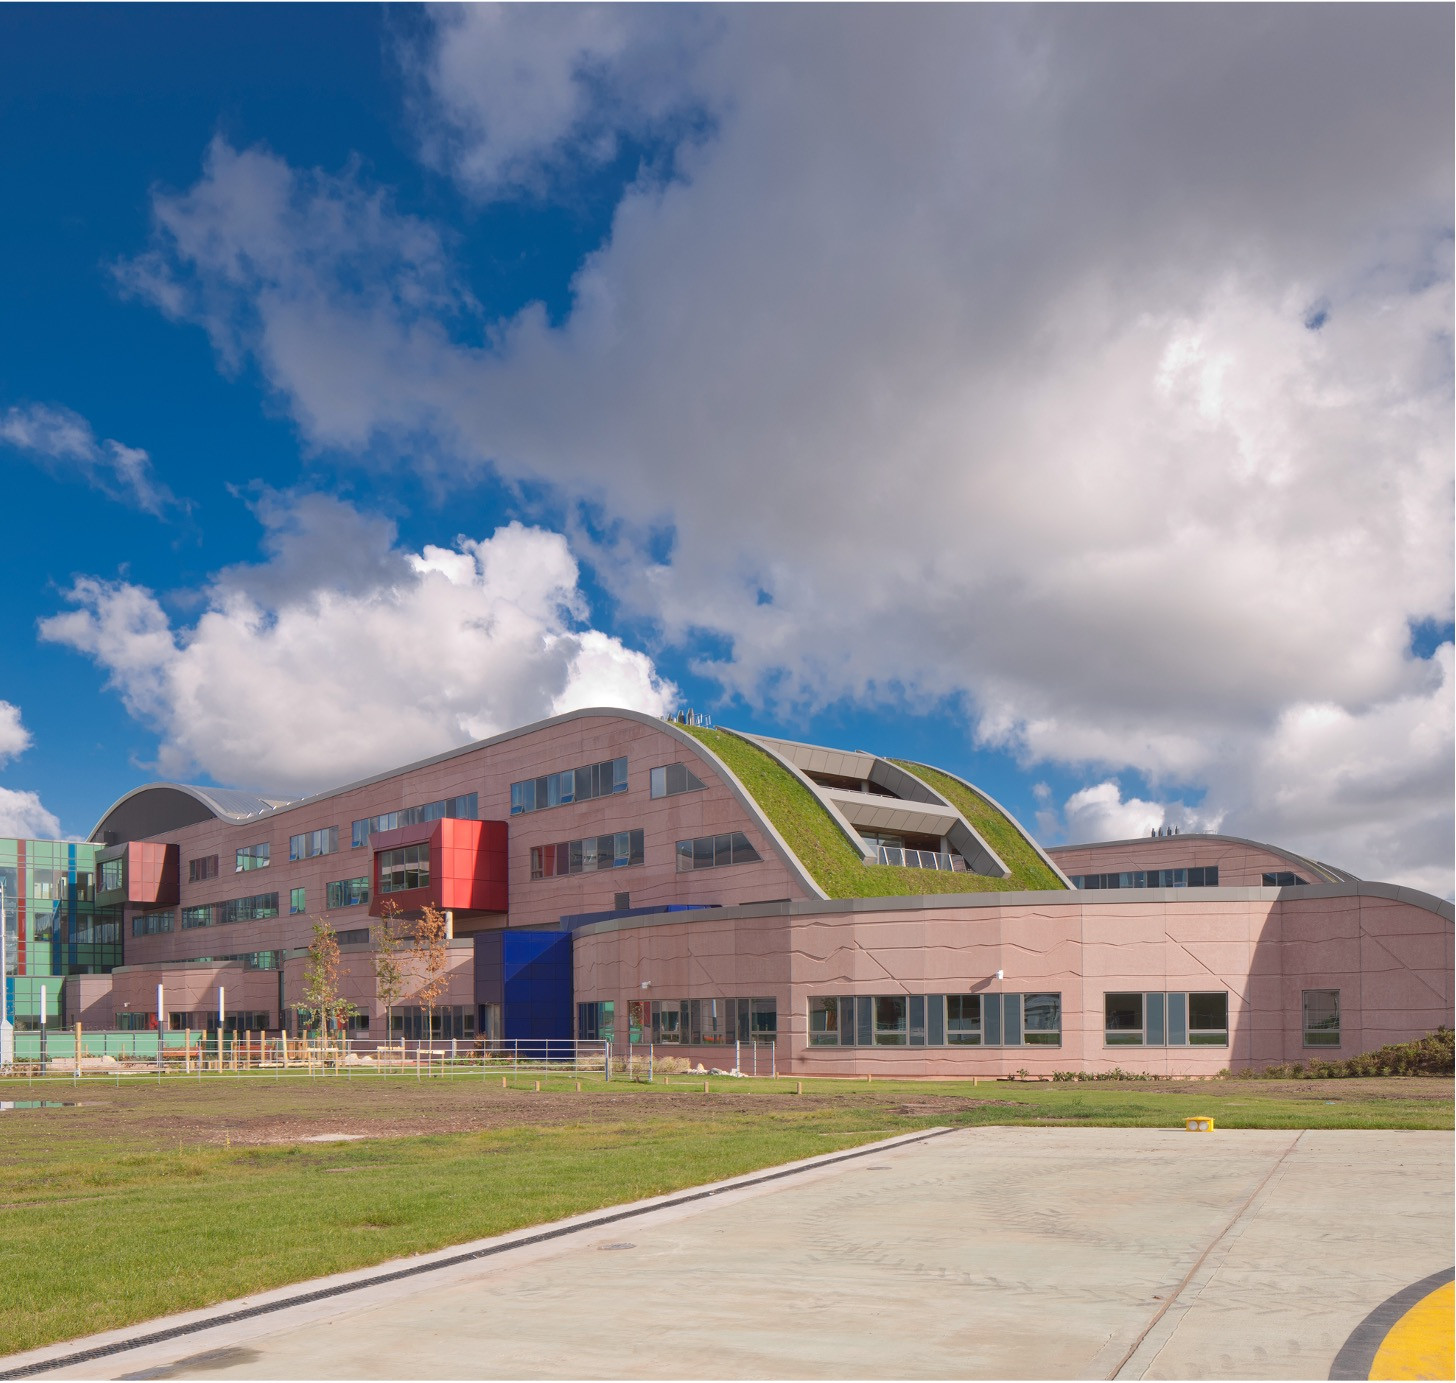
(1123, 1020)
(349, 893)
(963, 1020)
(1208, 1020)
(252, 857)
(891, 1015)
(1205, 876)
(355, 936)
(249, 909)
(672, 779)
(616, 851)
(197, 917)
(297, 901)
(463, 808)
(448, 1020)
(1321, 1017)
(1159, 1019)
(113, 874)
(824, 1021)
(666, 1022)
(150, 923)
(713, 852)
(715, 1022)
(596, 1022)
(572, 785)
(311, 843)
(1041, 1020)
(404, 868)
(200, 870)
(936, 1020)
(42, 883)
(1283, 878)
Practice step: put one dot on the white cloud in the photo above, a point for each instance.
(971, 354)
(22, 816)
(14, 737)
(304, 686)
(1100, 812)
(508, 97)
(21, 813)
(64, 441)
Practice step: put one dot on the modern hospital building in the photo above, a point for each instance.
(608, 875)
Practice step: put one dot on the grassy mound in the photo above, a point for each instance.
(1432, 1055)
(835, 865)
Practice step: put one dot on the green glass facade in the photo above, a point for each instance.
(53, 924)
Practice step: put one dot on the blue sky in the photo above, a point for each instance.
(1061, 400)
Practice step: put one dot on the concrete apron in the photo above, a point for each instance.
(981, 1253)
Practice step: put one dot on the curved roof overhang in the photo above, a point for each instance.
(155, 808)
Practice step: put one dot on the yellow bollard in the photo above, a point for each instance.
(798, 1087)
(503, 1082)
(578, 1085)
(1199, 1123)
(538, 1085)
(705, 1087)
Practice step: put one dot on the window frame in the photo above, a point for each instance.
(1307, 1031)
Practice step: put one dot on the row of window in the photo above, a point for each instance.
(709, 1022)
(1166, 1020)
(936, 1020)
(151, 923)
(713, 852)
(252, 857)
(570, 785)
(615, 851)
(345, 893)
(113, 874)
(324, 841)
(202, 869)
(249, 909)
(1283, 878)
(672, 779)
(51, 884)
(406, 867)
(1204, 876)
(686, 1022)
(463, 808)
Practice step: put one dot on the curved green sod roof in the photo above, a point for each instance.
(836, 866)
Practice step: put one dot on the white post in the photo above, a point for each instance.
(43, 1043)
(7, 1028)
(161, 1019)
(221, 1018)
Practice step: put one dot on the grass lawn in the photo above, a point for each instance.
(149, 1198)
(837, 866)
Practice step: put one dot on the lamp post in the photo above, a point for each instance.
(7, 1028)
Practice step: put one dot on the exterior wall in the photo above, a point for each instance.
(1241, 863)
(488, 771)
(1391, 959)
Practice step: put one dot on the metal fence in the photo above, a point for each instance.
(113, 1056)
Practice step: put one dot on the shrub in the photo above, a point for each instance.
(1431, 1055)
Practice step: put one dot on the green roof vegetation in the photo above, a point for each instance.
(997, 829)
(834, 864)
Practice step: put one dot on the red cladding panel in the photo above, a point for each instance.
(467, 866)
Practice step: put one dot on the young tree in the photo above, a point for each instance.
(322, 1003)
(430, 957)
(389, 965)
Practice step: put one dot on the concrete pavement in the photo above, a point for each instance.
(982, 1253)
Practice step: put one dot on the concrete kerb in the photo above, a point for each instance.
(231, 1320)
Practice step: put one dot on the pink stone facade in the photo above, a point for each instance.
(1390, 959)
(1241, 863)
